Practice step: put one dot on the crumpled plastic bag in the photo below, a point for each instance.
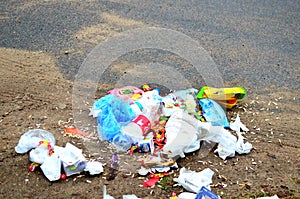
(94, 168)
(241, 147)
(114, 114)
(213, 113)
(228, 143)
(39, 154)
(52, 167)
(193, 181)
(181, 134)
(31, 139)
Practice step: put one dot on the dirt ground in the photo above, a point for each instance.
(34, 94)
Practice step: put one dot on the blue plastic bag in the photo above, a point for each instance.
(114, 113)
(213, 113)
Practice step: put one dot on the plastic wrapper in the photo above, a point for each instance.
(31, 139)
(39, 154)
(94, 168)
(130, 93)
(114, 114)
(73, 160)
(181, 134)
(214, 113)
(193, 181)
(52, 167)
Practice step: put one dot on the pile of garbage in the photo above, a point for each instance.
(51, 158)
(164, 128)
(142, 120)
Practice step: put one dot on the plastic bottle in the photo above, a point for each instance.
(146, 109)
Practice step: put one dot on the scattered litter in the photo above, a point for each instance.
(94, 167)
(193, 181)
(132, 196)
(207, 194)
(105, 195)
(31, 139)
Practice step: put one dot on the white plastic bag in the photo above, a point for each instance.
(39, 154)
(181, 134)
(31, 139)
(51, 167)
(193, 181)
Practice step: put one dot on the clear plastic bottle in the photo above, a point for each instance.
(147, 112)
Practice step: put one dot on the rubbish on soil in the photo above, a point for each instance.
(213, 113)
(31, 139)
(270, 197)
(158, 160)
(132, 196)
(154, 178)
(41, 152)
(181, 134)
(193, 181)
(105, 195)
(75, 132)
(94, 167)
(158, 168)
(226, 97)
(113, 114)
(130, 93)
(207, 194)
(187, 195)
(52, 167)
(72, 159)
(241, 147)
(174, 196)
(237, 125)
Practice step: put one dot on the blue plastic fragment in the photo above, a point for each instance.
(206, 194)
(213, 113)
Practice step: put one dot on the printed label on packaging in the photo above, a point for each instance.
(143, 122)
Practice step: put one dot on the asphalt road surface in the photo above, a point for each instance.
(254, 43)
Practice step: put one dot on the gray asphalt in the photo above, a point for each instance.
(254, 43)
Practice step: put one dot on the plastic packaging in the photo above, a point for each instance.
(193, 181)
(31, 139)
(206, 194)
(130, 93)
(52, 167)
(94, 168)
(181, 134)
(73, 160)
(122, 142)
(139, 126)
(114, 114)
(226, 97)
(39, 154)
(213, 113)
